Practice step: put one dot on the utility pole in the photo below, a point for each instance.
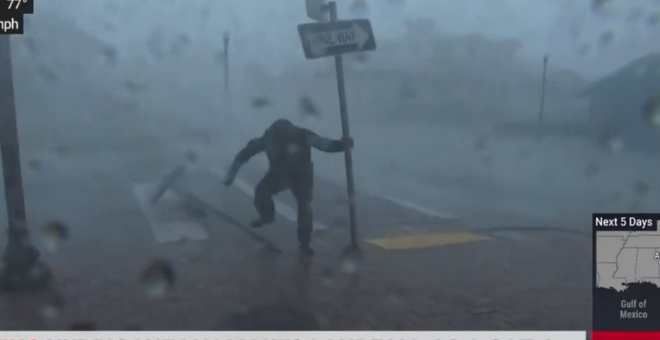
(225, 42)
(545, 67)
(21, 265)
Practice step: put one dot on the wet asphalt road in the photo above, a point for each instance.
(525, 280)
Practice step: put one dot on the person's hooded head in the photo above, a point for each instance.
(282, 127)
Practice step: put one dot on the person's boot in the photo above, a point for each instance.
(305, 249)
(257, 223)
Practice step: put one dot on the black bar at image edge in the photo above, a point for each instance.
(625, 222)
(14, 7)
(11, 24)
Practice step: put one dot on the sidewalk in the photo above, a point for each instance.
(499, 282)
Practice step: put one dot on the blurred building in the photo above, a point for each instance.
(617, 101)
(433, 78)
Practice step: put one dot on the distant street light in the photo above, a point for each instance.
(545, 67)
(225, 38)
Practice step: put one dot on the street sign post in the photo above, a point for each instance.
(334, 38)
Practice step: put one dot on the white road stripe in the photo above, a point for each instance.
(414, 206)
(281, 208)
(167, 220)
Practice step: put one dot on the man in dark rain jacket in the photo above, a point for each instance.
(289, 151)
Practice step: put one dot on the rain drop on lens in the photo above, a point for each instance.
(612, 143)
(651, 111)
(158, 277)
(53, 234)
(349, 267)
(52, 307)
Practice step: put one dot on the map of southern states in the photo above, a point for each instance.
(625, 257)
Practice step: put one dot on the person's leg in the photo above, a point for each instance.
(303, 189)
(268, 187)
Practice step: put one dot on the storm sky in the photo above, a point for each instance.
(264, 31)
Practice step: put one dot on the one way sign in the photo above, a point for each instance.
(323, 39)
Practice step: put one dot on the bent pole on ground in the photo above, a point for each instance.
(166, 182)
(22, 269)
(346, 132)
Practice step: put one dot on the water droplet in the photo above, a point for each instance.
(110, 55)
(52, 306)
(54, 233)
(591, 170)
(361, 57)
(480, 144)
(307, 107)
(651, 111)
(328, 278)
(612, 143)
(31, 45)
(47, 74)
(158, 277)
(39, 271)
(636, 15)
(606, 37)
(360, 7)
(190, 156)
(641, 188)
(653, 19)
(34, 165)
(584, 49)
(600, 5)
(260, 101)
(348, 267)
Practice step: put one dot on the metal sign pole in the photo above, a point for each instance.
(348, 155)
(21, 266)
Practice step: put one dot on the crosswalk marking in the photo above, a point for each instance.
(281, 208)
(167, 219)
(420, 209)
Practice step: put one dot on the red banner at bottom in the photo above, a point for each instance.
(625, 336)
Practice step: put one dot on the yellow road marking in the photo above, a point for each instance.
(419, 241)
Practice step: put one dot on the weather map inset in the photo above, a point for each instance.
(626, 293)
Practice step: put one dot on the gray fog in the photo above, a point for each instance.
(172, 48)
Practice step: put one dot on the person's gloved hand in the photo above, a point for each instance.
(229, 180)
(348, 142)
